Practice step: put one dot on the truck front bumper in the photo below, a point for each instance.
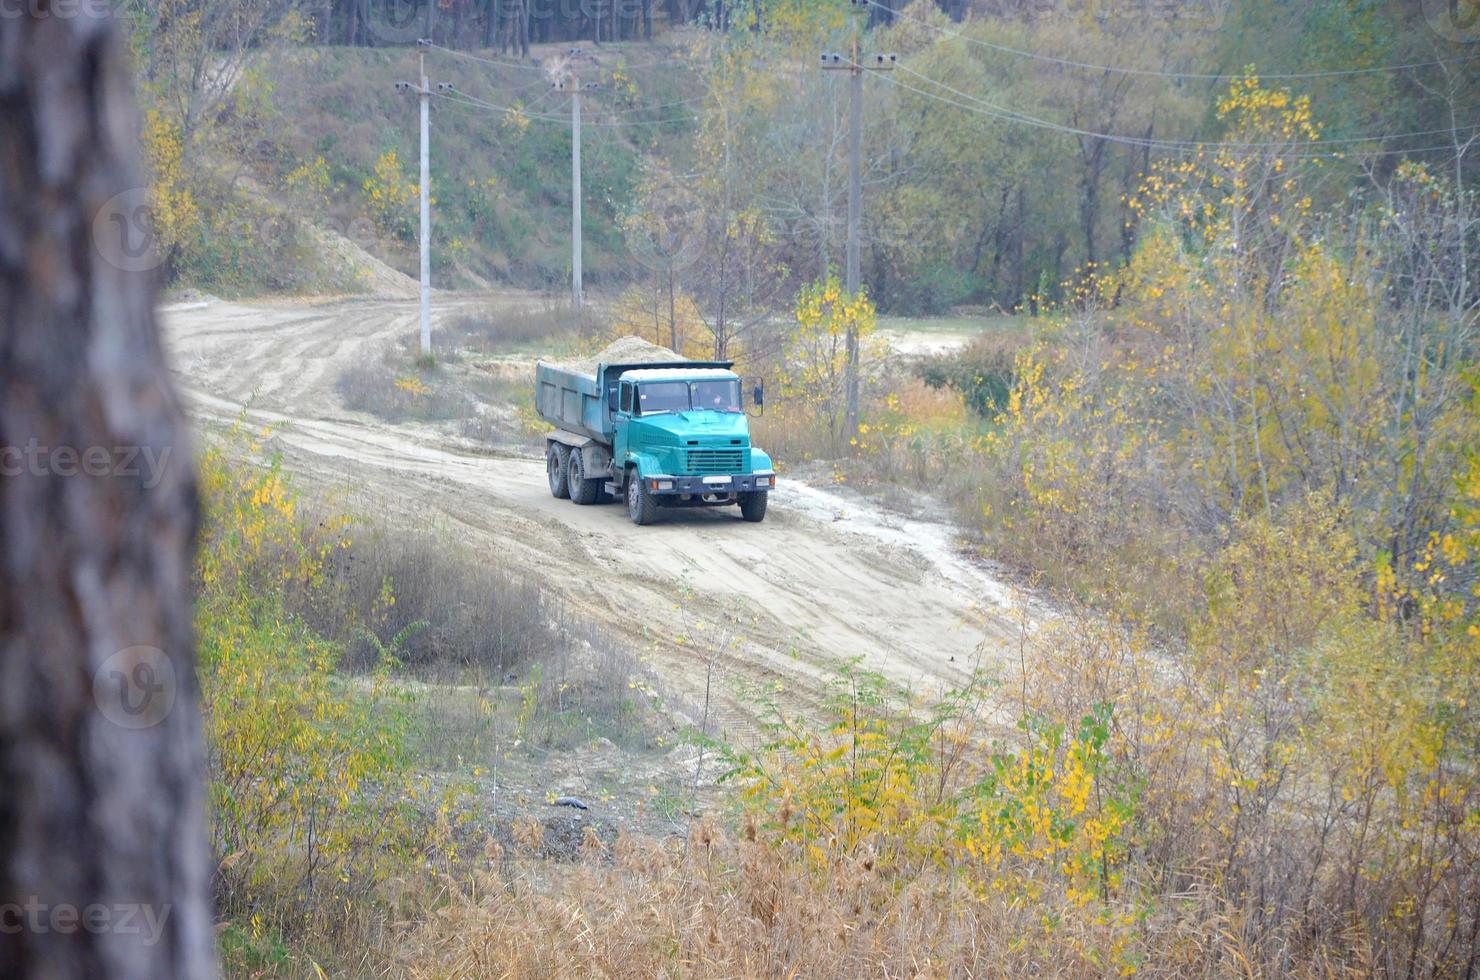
(700, 486)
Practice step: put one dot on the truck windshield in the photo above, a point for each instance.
(655, 397)
(717, 396)
(662, 396)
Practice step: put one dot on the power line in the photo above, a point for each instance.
(464, 98)
(537, 99)
(986, 107)
(460, 98)
(526, 66)
(661, 105)
(522, 66)
(468, 101)
(650, 108)
(992, 110)
(1172, 146)
(1151, 72)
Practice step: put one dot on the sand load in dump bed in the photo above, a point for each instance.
(623, 350)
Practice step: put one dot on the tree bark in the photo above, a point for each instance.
(104, 868)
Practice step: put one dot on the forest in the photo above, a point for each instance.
(992, 174)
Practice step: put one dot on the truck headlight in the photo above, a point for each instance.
(662, 484)
(762, 481)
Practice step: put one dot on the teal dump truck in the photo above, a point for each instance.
(642, 424)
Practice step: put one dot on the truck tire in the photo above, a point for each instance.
(582, 490)
(753, 506)
(556, 461)
(641, 506)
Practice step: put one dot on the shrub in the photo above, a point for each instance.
(476, 613)
(806, 419)
(306, 771)
(398, 393)
(389, 194)
(983, 372)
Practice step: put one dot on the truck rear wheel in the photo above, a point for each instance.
(555, 463)
(641, 506)
(582, 490)
(753, 506)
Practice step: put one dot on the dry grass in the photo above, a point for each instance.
(488, 402)
(1304, 887)
(450, 617)
(476, 612)
(398, 390)
(551, 327)
(714, 907)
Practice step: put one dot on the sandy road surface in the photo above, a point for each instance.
(821, 579)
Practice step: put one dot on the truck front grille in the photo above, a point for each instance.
(716, 460)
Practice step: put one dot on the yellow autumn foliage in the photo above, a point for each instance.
(172, 208)
(811, 410)
(390, 196)
(667, 319)
(307, 767)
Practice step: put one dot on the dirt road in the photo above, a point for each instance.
(822, 579)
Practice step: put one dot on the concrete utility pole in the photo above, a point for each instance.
(572, 83)
(855, 67)
(423, 92)
(424, 96)
(855, 169)
(576, 295)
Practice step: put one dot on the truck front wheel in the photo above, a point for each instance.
(582, 490)
(556, 460)
(641, 506)
(753, 506)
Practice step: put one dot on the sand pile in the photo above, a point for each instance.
(623, 350)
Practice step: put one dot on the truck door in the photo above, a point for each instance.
(620, 420)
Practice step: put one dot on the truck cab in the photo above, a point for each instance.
(681, 438)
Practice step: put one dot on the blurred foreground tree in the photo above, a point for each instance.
(103, 862)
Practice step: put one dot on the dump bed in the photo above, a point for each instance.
(571, 400)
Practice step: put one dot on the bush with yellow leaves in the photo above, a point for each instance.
(1037, 819)
(390, 196)
(308, 768)
(806, 419)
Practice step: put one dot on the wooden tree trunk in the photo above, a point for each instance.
(104, 868)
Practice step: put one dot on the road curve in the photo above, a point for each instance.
(776, 603)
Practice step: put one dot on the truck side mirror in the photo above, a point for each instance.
(759, 394)
(611, 399)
